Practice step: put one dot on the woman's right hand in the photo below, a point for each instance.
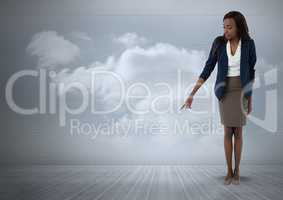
(188, 102)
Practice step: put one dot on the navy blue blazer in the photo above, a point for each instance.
(247, 66)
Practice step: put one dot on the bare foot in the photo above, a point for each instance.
(228, 178)
(236, 177)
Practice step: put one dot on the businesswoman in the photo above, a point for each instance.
(235, 53)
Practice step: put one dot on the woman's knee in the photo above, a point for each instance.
(238, 133)
(228, 132)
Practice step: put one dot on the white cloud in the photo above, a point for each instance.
(147, 65)
(130, 39)
(52, 50)
(161, 58)
(154, 64)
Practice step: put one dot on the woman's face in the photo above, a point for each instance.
(230, 29)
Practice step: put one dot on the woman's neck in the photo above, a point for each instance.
(234, 41)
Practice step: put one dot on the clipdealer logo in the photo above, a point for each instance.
(57, 94)
(268, 84)
(52, 95)
(54, 90)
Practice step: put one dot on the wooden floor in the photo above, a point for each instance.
(139, 182)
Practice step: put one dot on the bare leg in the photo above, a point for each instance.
(228, 146)
(238, 142)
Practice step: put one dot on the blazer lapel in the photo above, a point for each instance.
(224, 56)
(243, 57)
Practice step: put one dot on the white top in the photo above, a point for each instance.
(233, 60)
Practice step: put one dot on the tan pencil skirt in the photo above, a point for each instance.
(233, 106)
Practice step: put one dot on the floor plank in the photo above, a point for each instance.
(138, 182)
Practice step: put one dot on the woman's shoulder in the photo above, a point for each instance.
(217, 42)
(248, 39)
(219, 39)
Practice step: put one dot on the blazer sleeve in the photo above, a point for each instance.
(210, 62)
(252, 60)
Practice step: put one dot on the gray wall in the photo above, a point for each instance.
(163, 37)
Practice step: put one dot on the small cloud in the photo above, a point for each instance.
(161, 58)
(130, 39)
(52, 50)
(81, 35)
